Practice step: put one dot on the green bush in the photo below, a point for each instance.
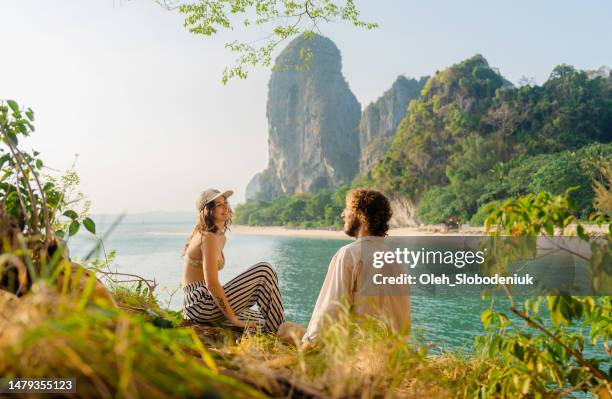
(307, 210)
(438, 205)
(478, 219)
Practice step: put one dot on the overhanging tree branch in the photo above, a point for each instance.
(286, 18)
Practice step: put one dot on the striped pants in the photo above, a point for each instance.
(258, 285)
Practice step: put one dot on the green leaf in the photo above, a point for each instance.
(59, 233)
(494, 345)
(30, 114)
(580, 231)
(71, 214)
(161, 323)
(566, 310)
(549, 227)
(526, 384)
(89, 225)
(557, 316)
(74, 228)
(12, 138)
(485, 317)
(4, 159)
(519, 352)
(574, 376)
(13, 105)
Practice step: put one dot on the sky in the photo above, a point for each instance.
(140, 99)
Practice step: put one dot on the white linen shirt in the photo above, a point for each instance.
(347, 280)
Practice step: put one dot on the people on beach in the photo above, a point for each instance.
(347, 283)
(204, 298)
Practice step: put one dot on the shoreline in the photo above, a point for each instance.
(340, 235)
(429, 230)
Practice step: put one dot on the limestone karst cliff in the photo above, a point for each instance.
(312, 121)
(253, 187)
(380, 119)
(318, 138)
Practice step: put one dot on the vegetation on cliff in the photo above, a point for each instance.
(472, 139)
(379, 120)
(468, 195)
(471, 136)
(308, 210)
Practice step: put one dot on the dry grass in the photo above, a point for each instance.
(111, 353)
(364, 361)
(117, 353)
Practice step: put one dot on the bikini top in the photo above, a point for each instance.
(198, 262)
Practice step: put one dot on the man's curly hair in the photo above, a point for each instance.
(374, 207)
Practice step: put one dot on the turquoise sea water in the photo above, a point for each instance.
(153, 250)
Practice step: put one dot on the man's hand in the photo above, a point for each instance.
(306, 346)
(291, 333)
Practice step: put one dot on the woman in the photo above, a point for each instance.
(205, 299)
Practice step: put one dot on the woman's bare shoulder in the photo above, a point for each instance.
(208, 235)
(209, 238)
(199, 238)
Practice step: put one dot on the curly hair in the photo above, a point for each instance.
(206, 223)
(374, 207)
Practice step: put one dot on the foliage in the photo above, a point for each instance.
(359, 358)
(450, 108)
(553, 173)
(284, 19)
(438, 205)
(71, 204)
(62, 311)
(38, 208)
(474, 133)
(603, 190)
(478, 219)
(468, 191)
(544, 357)
(308, 210)
(110, 352)
(475, 178)
(472, 138)
(21, 175)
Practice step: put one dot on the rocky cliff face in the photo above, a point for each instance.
(312, 119)
(253, 187)
(380, 119)
(404, 213)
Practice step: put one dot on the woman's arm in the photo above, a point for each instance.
(211, 276)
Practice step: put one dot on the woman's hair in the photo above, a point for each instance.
(206, 223)
(374, 207)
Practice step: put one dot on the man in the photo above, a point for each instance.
(349, 276)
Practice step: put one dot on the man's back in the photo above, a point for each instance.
(350, 280)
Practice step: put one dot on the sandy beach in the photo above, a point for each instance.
(339, 235)
(435, 230)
